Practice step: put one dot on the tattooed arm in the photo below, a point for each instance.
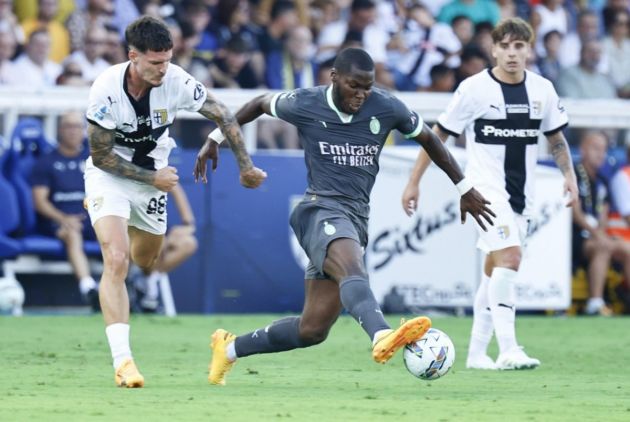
(560, 151)
(219, 113)
(103, 156)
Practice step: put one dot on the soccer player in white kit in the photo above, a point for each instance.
(127, 177)
(502, 111)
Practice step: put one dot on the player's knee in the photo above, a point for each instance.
(116, 260)
(312, 334)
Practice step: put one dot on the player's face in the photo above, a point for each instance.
(152, 65)
(352, 89)
(511, 55)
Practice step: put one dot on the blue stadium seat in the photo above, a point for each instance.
(9, 211)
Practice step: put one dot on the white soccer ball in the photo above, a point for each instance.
(430, 357)
(11, 296)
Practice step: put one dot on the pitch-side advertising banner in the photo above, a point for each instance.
(432, 260)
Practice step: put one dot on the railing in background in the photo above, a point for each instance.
(52, 102)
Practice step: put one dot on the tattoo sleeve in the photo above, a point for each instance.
(101, 149)
(219, 113)
(560, 151)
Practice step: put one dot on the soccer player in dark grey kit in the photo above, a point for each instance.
(343, 128)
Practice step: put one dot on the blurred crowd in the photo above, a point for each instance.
(582, 46)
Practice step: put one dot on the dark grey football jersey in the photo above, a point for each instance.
(342, 150)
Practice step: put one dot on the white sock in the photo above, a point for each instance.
(502, 307)
(378, 334)
(86, 284)
(482, 327)
(230, 351)
(152, 285)
(594, 304)
(118, 338)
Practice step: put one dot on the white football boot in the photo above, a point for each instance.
(516, 358)
(480, 362)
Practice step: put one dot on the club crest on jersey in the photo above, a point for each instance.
(375, 125)
(160, 116)
(329, 229)
(504, 232)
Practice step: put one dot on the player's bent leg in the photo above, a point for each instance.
(321, 309)
(145, 248)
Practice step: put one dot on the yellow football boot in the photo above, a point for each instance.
(127, 375)
(220, 365)
(390, 342)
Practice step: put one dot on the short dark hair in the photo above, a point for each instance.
(350, 58)
(148, 33)
(281, 7)
(362, 5)
(439, 71)
(515, 28)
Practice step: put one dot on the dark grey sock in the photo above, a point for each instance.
(280, 335)
(359, 301)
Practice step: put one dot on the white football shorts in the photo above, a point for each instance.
(142, 205)
(510, 228)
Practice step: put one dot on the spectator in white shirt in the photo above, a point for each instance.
(617, 48)
(33, 66)
(8, 75)
(90, 59)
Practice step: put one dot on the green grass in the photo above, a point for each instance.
(58, 368)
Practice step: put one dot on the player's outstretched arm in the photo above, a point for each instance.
(102, 151)
(411, 194)
(471, 201)
(251, 177)
(560, 151)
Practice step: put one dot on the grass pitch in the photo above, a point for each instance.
(58, 369)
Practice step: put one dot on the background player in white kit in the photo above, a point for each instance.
(502, 111)
(130, 108)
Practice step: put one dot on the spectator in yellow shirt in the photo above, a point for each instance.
(60, 40)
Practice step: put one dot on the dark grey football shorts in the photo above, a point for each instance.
(317, 221)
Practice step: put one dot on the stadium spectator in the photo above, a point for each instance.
(374, 39)
(72, 75)
(483, 39)
(292, 66)
(199, 20)
(33, 66)
(90, 59)
(179, 245)
(426, 43)
(463, 28)
(114, 47)
(473, 62)
(548, 63)
(592, 246)
(28, 9)
(547, 16)
(588, 24)
(232, 67)
(9, 22)
(501, 168)
(186, 56)
(8, 73)
(322, 13)
(507, 9)
(58, 193)
(283, 18)
(619, 217)
(96, 12)
(610, 9)
(331, 220)
(585, 80)
(59, 38)
(442, 79)
(617, 49)
(126, 193)
(476, 10)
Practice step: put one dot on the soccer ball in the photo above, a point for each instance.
(11, 296)
(430, 357)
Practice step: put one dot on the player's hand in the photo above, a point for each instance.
(474, 203)
(253, 177)
(165, 179)
(209, 151)
(571, 191)
(410, 199)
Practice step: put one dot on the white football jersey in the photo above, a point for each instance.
(142, 126)
(502, 123)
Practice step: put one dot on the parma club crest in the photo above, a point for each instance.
(160, 116)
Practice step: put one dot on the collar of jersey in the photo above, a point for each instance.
(345, 118)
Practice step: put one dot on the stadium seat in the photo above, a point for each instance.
(9, 211)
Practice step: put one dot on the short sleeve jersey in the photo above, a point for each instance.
(502, 123)
(141, 126)
(63, 176)
(342, 150)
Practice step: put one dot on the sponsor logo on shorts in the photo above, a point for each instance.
(93, 204)
(504, 232)
(329, 229)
